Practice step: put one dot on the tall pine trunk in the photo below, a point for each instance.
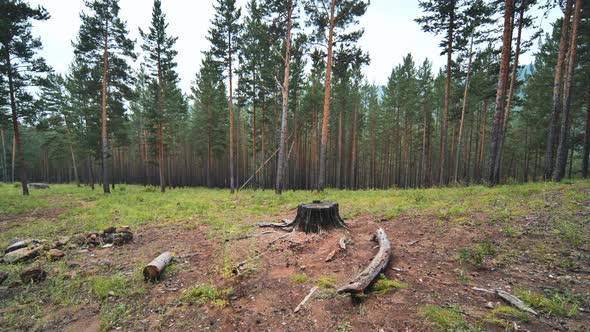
(586, 155)
(562, 148)
(105, 151)
(17, 146)
(326, 118)
(463, 110)
(232, 185)
(160, 134)
(282, 163)
(445, 122)
(71, 144)
(4, 161)
(494, 158)
(556, 103)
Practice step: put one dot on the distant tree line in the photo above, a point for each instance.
(280, 100)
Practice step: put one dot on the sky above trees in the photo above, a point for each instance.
(390, 33)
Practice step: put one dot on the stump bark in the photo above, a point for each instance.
(317, 217)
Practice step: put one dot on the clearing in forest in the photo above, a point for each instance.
(531, 240)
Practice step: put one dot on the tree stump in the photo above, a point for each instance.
(317, 217)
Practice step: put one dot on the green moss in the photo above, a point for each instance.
(327, 282)
(298, 278)
(384, 285)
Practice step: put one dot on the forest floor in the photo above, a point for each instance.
(531, 240)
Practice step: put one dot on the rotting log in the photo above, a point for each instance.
(377, 265)
(154, 269)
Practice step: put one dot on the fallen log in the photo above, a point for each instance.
(305, 299)
(38, 186)
(377, 265)
(154, 269)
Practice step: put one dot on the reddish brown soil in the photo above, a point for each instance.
(425, 253)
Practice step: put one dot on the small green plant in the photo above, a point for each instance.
(502, 314)
(207, 294)
(444, 319)
(344, 327)
(384, 285)
(114, 315)
(327, 282)
(299, 278)
(560, 304)
(463, 277)
(116, 285)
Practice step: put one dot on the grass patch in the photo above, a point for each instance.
(445, 319)
(207, 294)
(503, 315)
(327, 282)
(384, 285)
(560, 304)
(116, 285)
(298, 278)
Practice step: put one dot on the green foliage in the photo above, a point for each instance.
(116, 285)
(207, 294)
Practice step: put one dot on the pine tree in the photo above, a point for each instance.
(337, 20)
(103, 42)
(223, 36)
(19, 65)
(160, 60)
(497, 131)
(209, 95)
(443, 17)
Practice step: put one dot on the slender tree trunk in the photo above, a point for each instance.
(339, 149)
(494, 158)
(463, 110)
(353, 148)
(562, 148)
(231, 118)
(513, 77)
(445, 124)
(571, 161)
(586, 155)
(254, 145)
(281, 164)
(326, 118)
(160, 134)
(209, 125)
(556, 103)
(13, 156)
(105, 151)
(74, 164)
(4, 161)
(17, 141)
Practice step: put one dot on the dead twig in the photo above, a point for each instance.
(305, 299)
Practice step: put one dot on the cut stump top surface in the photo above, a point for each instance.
(319, 205)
